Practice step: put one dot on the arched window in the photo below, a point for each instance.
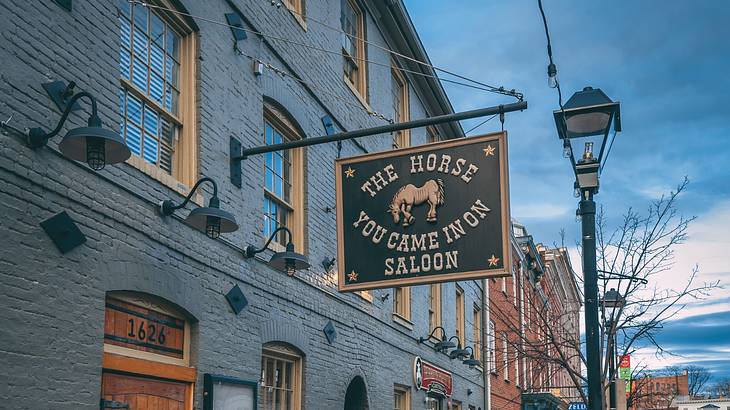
(146, 362)
(281, 377)
(283, 178)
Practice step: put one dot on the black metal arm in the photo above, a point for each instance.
(251, 250)
(518, 106)
(443, 334)
(37, 137)
(167, 207)
(458, 341)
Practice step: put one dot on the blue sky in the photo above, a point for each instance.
(668, 63)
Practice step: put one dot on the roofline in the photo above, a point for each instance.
(438, 95)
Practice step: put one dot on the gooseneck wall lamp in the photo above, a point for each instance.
(458, 353)
(210, 219)
(289, 261)
(469, 358)
(93, 144)
(443, 344)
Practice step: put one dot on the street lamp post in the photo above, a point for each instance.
(612, 300)
(586, 119)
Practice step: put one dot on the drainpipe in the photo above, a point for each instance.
(485, 348)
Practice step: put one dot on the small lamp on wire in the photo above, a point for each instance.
(288, 261)
(210, 219)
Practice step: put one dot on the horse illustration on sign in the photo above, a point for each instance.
(410, 195)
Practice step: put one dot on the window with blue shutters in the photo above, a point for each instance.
(155, 86)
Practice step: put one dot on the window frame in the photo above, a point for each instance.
(477, 330)
(402, 138)
(492, 347)
(434, 308)
(359, 87)
(184, 172)
(298, 9)
(296, 219)
(287, 354)
(505, 356)
(405, 294)
(405, 391)
(460, 318)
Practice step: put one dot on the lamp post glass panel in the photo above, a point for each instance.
(583, 125)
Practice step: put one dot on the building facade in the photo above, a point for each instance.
(658, 392)
(138, 314)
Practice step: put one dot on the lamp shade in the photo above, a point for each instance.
(289, 260)
(75, 144)
(612, 299)
(588, 112)
(199, 219)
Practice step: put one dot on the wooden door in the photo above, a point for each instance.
(119, 391)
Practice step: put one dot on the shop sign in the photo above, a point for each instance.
(432, 213)
(625, 361)
(139, 328)
(431, 378)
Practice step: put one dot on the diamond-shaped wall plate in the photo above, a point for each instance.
(63, 232)
(330, 332)
(236, 299)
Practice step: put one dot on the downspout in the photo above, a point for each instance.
(485, 349)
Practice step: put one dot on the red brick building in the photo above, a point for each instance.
(530, 315)
(658, 392)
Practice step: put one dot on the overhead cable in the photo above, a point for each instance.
(498, 90)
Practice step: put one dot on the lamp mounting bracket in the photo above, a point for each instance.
(61, 93)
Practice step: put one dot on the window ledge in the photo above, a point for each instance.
(365, 294)
(402, 321)
(164, 178)
(357, 94)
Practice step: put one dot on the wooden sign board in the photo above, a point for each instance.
(426, 214)
(139, 328)
(433, 379)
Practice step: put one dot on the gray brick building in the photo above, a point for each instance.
(173, 79)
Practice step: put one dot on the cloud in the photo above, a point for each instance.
(539, 211)
(702, 340)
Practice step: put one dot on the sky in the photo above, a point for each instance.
(668, 63)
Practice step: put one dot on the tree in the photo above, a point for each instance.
(630, 257)
(697, 377)
(721, 388)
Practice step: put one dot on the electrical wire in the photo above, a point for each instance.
(550, 51)
(498, 90)
(285, 74)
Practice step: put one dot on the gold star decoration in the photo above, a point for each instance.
(349, 172)
(489, 151)
(493, 261)
(352, 276)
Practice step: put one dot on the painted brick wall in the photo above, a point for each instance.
(52, 305)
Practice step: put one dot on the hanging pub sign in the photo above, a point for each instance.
(431, 378)
(426, 214)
